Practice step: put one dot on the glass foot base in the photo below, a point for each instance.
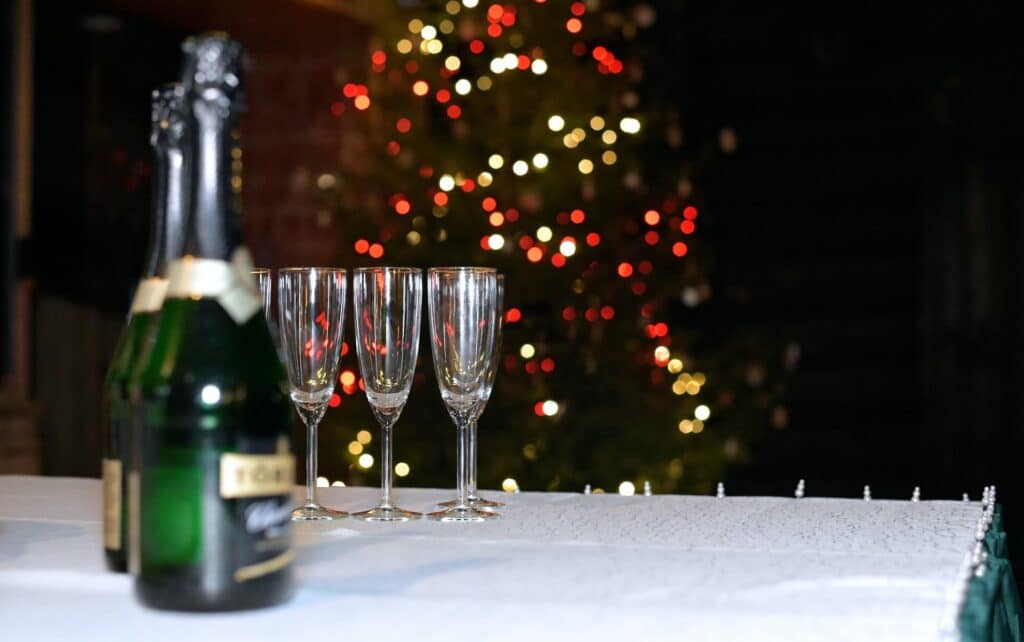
(475, 502)
(465, 514)
(316, 512)
(387, 514)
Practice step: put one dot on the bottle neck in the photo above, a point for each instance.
(213, 231)
(167, 232)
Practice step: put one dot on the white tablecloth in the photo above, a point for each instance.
(557, 566)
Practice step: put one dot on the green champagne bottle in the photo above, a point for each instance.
(216, 469)
(165, 243)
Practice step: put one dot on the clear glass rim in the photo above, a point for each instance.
(461, 269)
(388, 268)
(312, 268)
(261, 270)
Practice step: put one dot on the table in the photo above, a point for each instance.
(557, 566)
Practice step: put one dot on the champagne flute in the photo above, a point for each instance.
(311, 305)
(463, 306)
(473, 498)
(264, 278)
(387, 302)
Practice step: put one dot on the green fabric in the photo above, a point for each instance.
(992, 606)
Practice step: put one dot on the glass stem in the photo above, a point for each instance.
(461, 466)
(311, 462)
(385, 465)
(471, 461)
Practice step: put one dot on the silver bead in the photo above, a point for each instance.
(867, 493)
(586, 489)
(916, 496)
(799, 492)
(967, 497)
(647, 489)
(720, 490)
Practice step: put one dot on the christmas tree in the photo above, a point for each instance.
(514, 135)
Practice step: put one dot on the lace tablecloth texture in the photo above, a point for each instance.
(557, 566)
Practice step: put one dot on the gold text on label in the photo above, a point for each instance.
(256, 475)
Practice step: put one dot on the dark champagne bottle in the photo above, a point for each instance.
(165, 243)
(216, 471)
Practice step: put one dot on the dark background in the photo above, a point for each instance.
(872, 211)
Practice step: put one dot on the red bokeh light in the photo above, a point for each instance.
(420, 88)
(547, 364)
(402, 207)
(468, 185)
(577, 216)
(361, 246)
(494, 30)
(638, 287)
(477, 46)
(440, 199)
(394, 147)
(568, 313)
(679, 249)
(485, 242)
(577, 9)
(489, 204)
(652, 237)
(513, 315)
(454, 111)
(525, 242)
(573, 25)
(591, 314)
(593, 239)
(335, 400)
(531, 367)
(652, 217)
(690, 212)
(687, 226)
(443, 95)
(625, 270)
(599, 53)
(645, 267)
(558, 260)
(512, 215)
(494, 12)
(403, 125)
(538, 408)
(524, 62)
(337, 108)
(607, 313)
(534, 254)
(350, 90)
(379, 57)
(376, 251)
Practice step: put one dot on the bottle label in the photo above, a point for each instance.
(256, 475)
(253, 480)
(149, 296)
(230, 283)
(112, 504)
